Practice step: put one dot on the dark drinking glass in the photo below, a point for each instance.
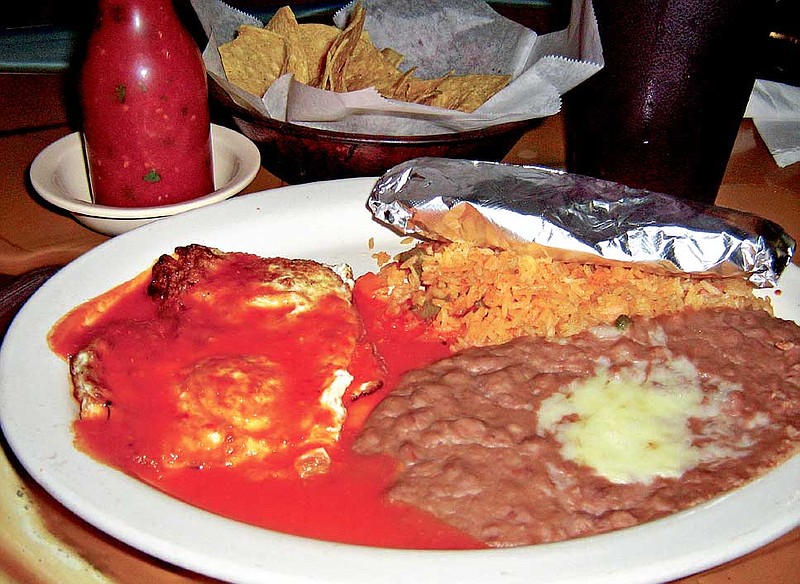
(664, 112)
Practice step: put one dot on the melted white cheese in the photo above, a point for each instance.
(630, 427)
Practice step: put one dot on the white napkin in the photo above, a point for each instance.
(775, 109)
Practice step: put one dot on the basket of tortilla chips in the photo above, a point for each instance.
(339, 100)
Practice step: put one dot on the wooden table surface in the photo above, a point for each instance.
(41, 542)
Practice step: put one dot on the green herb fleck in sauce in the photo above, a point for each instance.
(623, 322)
(152, 176)
(119, 93)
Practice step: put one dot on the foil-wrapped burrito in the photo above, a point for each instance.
(568, 217)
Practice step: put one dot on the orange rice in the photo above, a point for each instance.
(481, 296)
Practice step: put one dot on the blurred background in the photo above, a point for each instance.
(44, 35)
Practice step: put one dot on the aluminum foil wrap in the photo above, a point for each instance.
(550, 213)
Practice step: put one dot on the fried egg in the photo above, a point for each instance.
(251, 354)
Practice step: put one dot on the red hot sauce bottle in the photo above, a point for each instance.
(144, 96)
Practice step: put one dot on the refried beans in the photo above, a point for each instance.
(514, 443)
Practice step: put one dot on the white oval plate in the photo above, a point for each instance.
(330, 223)
(58, 174)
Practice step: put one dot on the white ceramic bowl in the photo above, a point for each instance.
(58, 173)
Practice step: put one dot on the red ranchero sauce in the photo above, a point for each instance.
(144, 97)
(345, 505)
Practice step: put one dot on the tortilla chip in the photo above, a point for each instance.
(414, 90)
(392, 57)
(316, 40)
(284, 23)
(468, 92)
(465, 93)
(334, 76)
(254, 59)
(368, 67)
